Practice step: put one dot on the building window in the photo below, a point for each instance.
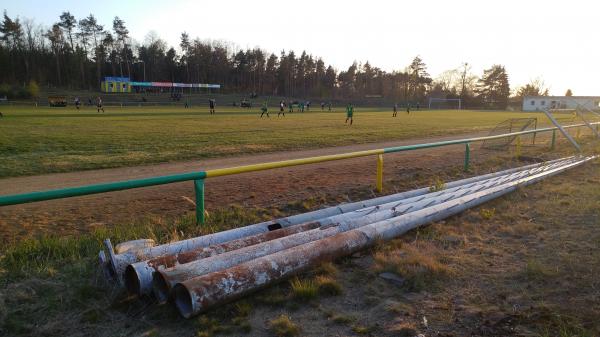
(543, 103)
(532, 102)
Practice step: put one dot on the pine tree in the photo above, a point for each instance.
(493, 87)
(68, 22)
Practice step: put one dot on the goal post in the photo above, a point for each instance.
(445, 103)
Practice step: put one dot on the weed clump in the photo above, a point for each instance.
(437, 185)
(535, 271)
(419, 269)
(327, 269)
(283, 326)
(487, 213)
(361, 330)
(304, 290)
(328, 286)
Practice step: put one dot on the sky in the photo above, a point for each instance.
(555, 41)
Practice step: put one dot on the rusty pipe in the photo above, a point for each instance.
(163, 280)
(138, 276)
(114, 265)
(199, 294)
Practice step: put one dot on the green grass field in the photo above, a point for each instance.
(42, 140)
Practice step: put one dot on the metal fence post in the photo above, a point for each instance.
(518, 147)
(578, 134)
(199, 189)
(553, 143)
(380, 173)
(467, 156)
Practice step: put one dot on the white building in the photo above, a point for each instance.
(539, 103)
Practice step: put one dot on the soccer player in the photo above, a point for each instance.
(291, 107)
(77, 102)
(395, 110)
(408, 108)
(349, 113)
(99, 104)
(322, 106)
(281, 107)
(329, 106)
(211, 104)
(418, 106)
(265, 110)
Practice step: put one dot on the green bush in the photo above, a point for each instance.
(5, 90)
(33, 89)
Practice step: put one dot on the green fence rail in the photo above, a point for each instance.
(199, 177)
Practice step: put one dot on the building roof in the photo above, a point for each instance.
(565, 97)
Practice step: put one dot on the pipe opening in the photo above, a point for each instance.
(274, 226)
(132, 281)
(160, 287)
(183, 300)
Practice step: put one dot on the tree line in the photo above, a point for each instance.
(77, 53)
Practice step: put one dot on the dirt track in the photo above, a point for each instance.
(263, 189)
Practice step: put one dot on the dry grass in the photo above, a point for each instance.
(414, 263)
(326, 285)
(327, 269)
(520, 228)
(487, 213)
(208, 326)
(342, 319)
(536, 271)
(304, 289)
(283, 326)
(437, 184)
(361, 330)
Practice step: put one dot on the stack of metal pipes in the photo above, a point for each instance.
(200, 273)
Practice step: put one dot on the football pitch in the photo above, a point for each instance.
(37, 140)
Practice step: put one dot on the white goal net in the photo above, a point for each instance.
(445, 103)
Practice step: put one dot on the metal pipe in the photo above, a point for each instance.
(138, 276)
(562, 129)
(379, 183)
(199, 191)
(163, 280)
(580, 114)
(116, 264)
(14, 199)
(467, 156)
(201, 293)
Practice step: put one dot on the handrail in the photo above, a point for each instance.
(199, 177)
(97, 188)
